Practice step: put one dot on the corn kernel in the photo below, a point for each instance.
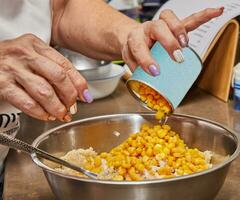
(159, 115)
(98, 161)
(118, 178)
(140, 167)
(161, 133)
(157, 149)
(122, 171)
(149, 152)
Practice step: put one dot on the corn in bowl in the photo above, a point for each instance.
(152, 153)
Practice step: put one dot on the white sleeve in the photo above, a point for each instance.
(18, 17)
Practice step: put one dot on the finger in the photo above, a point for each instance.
(42, 92)
(78, 81)
(159, 31)
(141, 54)
(81, 84)
(128, 58)
(16, 96)
(57, 76)
(197, 19)
(176, 26)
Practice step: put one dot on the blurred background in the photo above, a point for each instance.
(141, 10)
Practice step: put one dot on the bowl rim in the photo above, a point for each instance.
(227, 161)
(112, 66)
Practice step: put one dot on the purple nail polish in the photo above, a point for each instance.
(154, 70)
(87, 96)
(183, 40)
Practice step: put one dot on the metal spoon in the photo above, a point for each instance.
(29, 149)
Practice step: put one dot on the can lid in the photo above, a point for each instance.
(236, 74)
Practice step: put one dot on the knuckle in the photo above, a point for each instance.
(135, 48)
(59, 75)
(3, 79)
(81, 83)
(159, 23)
(136, 32)
(7, 93)
(65, 63)
(60, 111)
(17, 49)
(178, 28)
(6, 87)
(30, 37)
(29, 105)
(143, 62)
(130, 37)
(45, 92)
(165, 13)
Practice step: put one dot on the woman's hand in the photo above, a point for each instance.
(169, 31)
(38, 80)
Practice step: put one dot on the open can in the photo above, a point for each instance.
(175, 79)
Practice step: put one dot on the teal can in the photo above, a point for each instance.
(175, 79)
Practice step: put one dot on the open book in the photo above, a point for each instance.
(215, 42)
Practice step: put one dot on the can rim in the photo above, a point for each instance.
(134, 94)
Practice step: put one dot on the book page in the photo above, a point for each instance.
(201, 38)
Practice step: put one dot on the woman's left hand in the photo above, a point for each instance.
(169, 31)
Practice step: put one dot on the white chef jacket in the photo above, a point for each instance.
(18, 17)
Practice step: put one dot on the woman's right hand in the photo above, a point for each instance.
(38, 80)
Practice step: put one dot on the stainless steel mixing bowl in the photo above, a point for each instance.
(98, 132)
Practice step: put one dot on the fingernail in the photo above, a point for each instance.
(221, 8)
(177, 54)
(154, 70)
(73, 109)
(51, 118)
(87, 96)
(67, 118)
(183, 40)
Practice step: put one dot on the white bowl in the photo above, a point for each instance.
(103, 84)
(81, 62)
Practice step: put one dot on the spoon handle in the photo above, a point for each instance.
(16, 144)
